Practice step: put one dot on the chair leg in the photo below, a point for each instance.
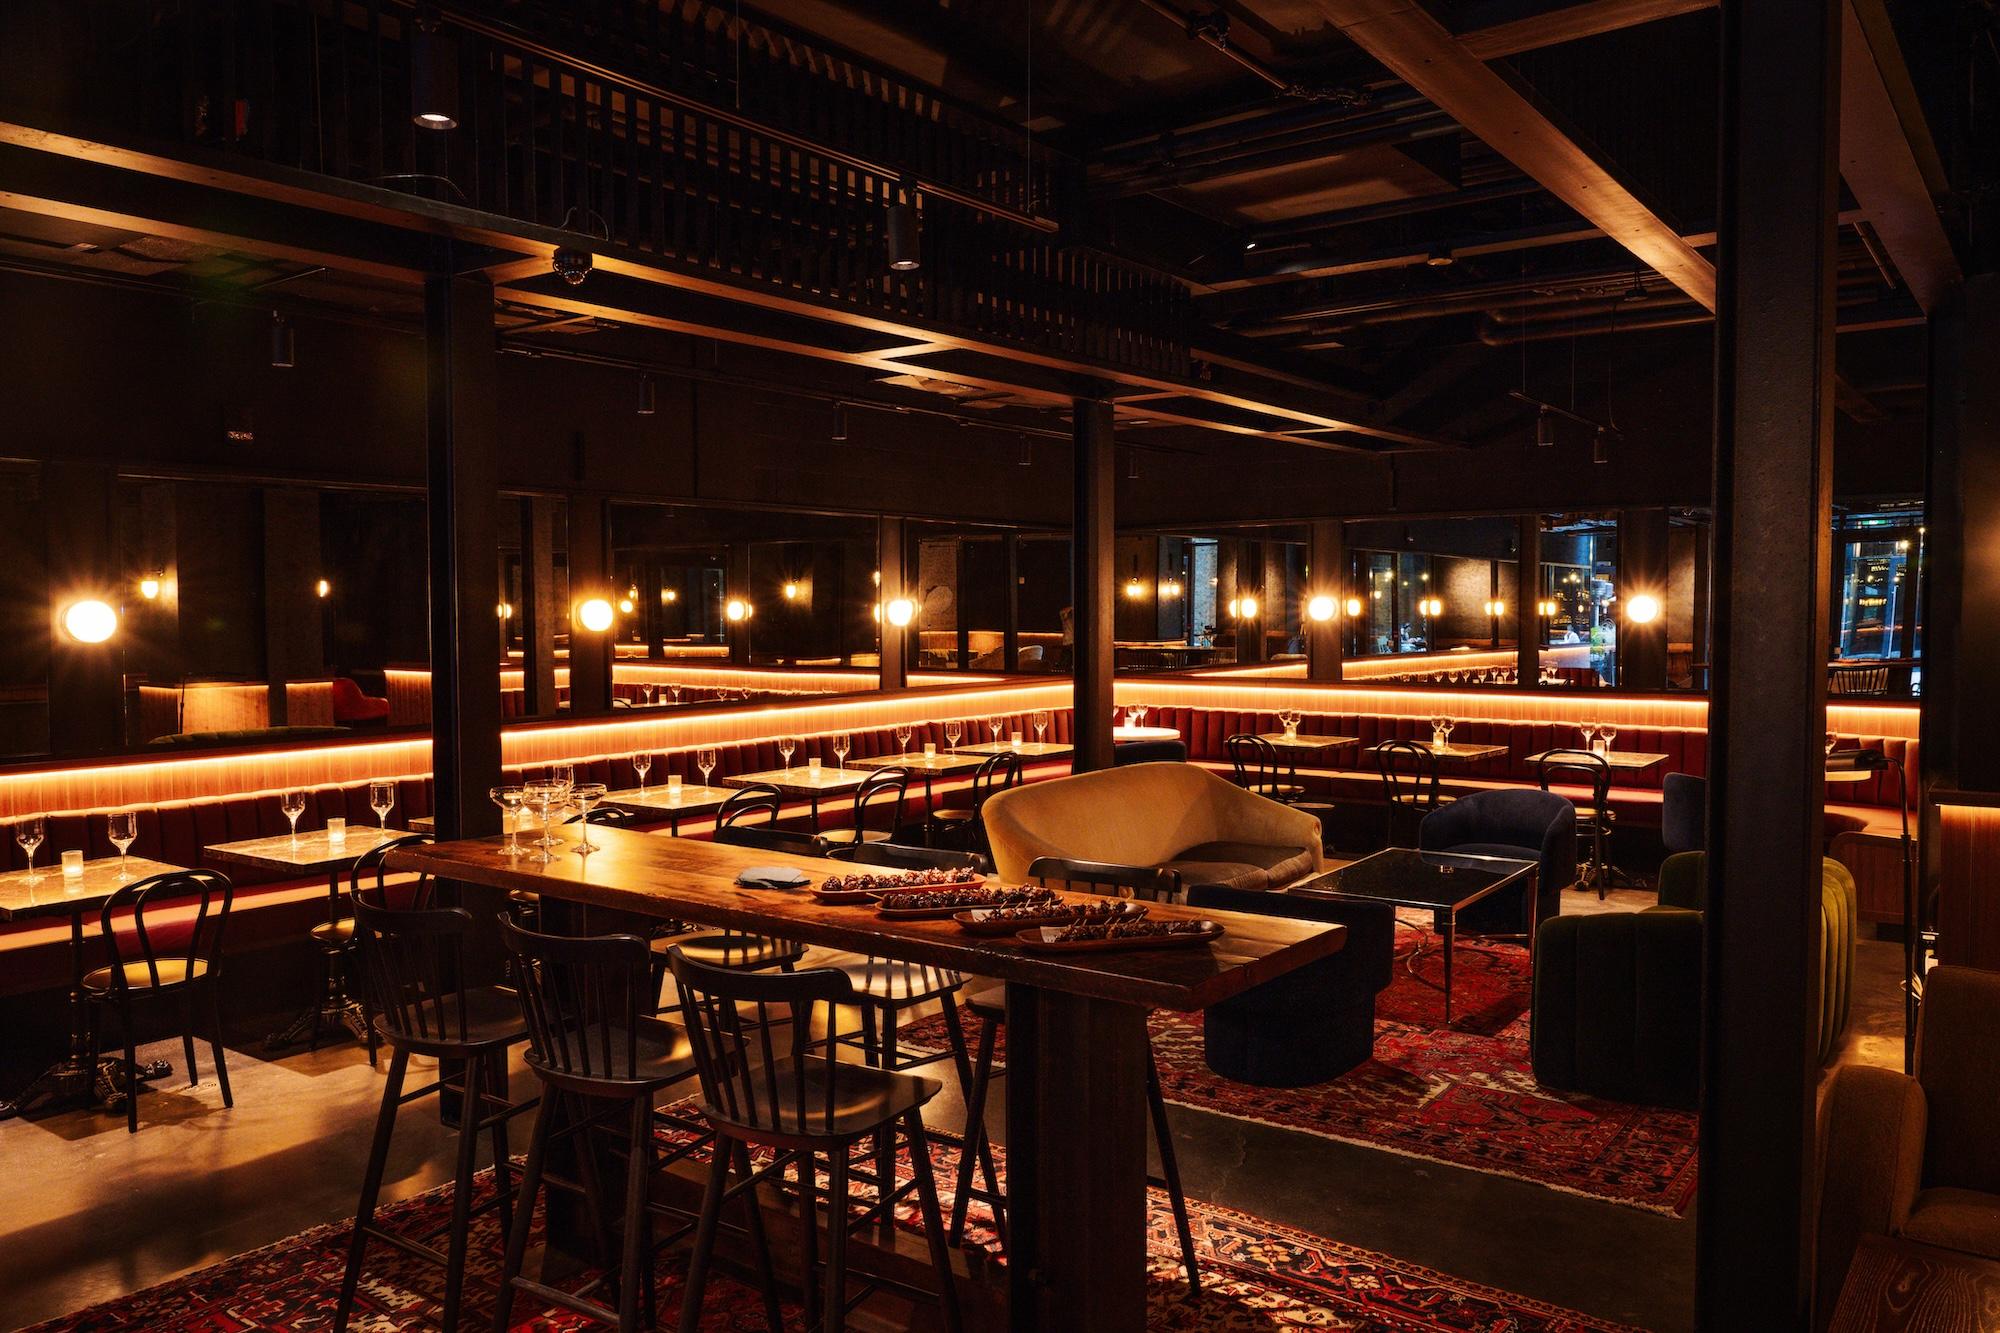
(461, 1194)
(1171, 1169)
(187, 1034)
(215, 1041)
(975, 1148)
(371, 1187)
(808, 1164)
(1603, 867)
(503, 1161)
(834, 1315)
(517, 1233)
(760, 1246)
(131, 1069)
(632, 1261)
(325, 981)
(704, 1238)
(927, 1200)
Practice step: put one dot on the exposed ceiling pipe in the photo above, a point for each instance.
(1277, 232)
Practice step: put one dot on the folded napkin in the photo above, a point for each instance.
(772, 877)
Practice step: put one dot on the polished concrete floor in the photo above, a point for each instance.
(89, 1212)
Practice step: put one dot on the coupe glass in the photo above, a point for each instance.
(124, 831)
(509, 799)
(952, 731)
(543, 798)
(293, 803)
(903, 733)
(705, 761)
(585, 796)
(382, 799)
(29, 833)
(1041, 724)
(642, 764)
(842, 743)
(786, 745)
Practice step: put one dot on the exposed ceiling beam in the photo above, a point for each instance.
(1415, 47)
(1886, 155)
(1495, 28)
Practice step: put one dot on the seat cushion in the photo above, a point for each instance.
(1955, 1219)
(897, 983)
(727, 949)
(1500, 849)
(1241, 865)
(173, 971)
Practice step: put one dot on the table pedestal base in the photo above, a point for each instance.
(76, 1081)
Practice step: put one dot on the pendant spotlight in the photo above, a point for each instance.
(433, 75)
(284, 343)
(903, 252)
(648, 396)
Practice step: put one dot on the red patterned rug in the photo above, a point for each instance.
(1256, 1276)
(1464, 1096)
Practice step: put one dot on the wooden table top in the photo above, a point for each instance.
(52, 893)
(1453, 751)
(944, 761)
(1026, 749)
(692, 800)
(312, 851)
(693, 880)
(1900, 1286)
(1145, 733)
(1634, 760)
(803, 778)
(1304, 741)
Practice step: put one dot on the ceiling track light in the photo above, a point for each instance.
(1027, 453)
(1440, 257)
(839, 435)
(433, 75)
(284, 343)
(1600, 446)
(648, 396)
(1545, 429)
(904, 255)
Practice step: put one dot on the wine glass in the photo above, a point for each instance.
(1589, 729)
(123, 826)
(585, 796)
(705, 761)
(996, 724)
(293, 803)
(642, 764)
(29, 833)
(1832, 740)
(1041, 724)
(676, 692)
(786, 745)
(382, 799)
(646, 694)
(842, 743)
(952, 731)
(903, 733)
(1289, 719)
(563, 775)
(509, 799)
(1607, 733)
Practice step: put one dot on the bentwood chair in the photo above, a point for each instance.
(1155, 884)
(413, 971)
(897, 856)
(592, 1040)
(1256, 767)
(771, 1078)
(997, 774)
(1595, 818)
(1409, 781)
(369, 876)
(158, 951)
(886, 789)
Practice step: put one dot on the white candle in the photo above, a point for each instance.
(812, 766)
(930, 749)
(336, 830)
(72, 865)
(673, 786)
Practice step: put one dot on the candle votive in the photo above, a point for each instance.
(673, 786)
(336, 830)
(930, 749)
(72, 865)
(812, 767)
(1014, 738)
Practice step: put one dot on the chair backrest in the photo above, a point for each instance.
(1409, 772)
(769, 838)
(998, 773)
(1857, 680)
(764, 1043)
(1684, 812)
(1584, 766)
(884, 788)
(1254, 760)
(1153, 883)
(1960, 1077)
(583, 999)
(208, 892)
(367, 876)
(747, 802)
(899, 857)
(614, 816)
(413, 968)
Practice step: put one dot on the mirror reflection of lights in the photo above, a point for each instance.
(594, 615)
(89, 621)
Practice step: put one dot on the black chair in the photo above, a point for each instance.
(998, 773)
(1148, 752)
(770, 1078)
(768, 838)
(730, 948)
(1409, 781)
(413, 971)
(155, 959)
(1595, 818)
(614, 816)
(894, 855)
(1683, 813)
(592, 1040)
(368, 875)
(747, 801)
(1156, 884)
(885, 787)
(1256, 767)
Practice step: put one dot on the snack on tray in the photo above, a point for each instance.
(894, 879)
(938, 899)
(1131, 930)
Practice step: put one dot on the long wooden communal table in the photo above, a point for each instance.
(1076, 1034)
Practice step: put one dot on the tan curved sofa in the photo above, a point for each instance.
(1176, 815)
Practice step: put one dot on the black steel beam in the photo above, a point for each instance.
(893, 639)
(1528, 625)
(590, 653)
(539, 611)
(1774, 364)
(1093, 552)
(1326, 577)
(1642, 572)
(85, 700)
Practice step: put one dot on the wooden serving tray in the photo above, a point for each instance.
(925, 913)
(973, 921)
(1039, 940)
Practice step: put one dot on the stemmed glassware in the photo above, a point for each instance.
(293, 803)
(382, 799)
(1607, 733)
(563, 775)
(1289, 719)
(585, 796)
(29, 833)
(646, 695)
(952, 731)
(1832, 740)
(676, 690)
(1589, 730)
(842, 743)
(642, 764)
(544, 798)
(903, 733)
(123, 826)
(996, 724)
(786, 745)
(1041, 724)
(509, 799)
(705, 761)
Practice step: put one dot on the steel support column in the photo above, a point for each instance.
(1327, 577)
(538, 606)
(1773, 487)
(893, 639)
(461, 388)
(1092, 583)
(590, 653)
(1528, 623)
(86, 703)
(1642, 572)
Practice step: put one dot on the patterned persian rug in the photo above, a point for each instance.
(1464, 1095)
